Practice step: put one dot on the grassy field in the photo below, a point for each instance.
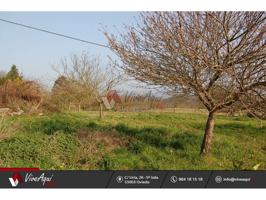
(150, 140)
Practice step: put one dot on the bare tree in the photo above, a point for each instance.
(86, 74)
(254, 102)
(217, 56)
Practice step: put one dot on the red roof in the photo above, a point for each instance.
(112, 94)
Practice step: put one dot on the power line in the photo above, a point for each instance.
(54, 33)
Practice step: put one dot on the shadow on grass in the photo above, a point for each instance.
(159, 137)
(65, 124)
(238, 128)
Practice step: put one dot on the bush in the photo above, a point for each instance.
(22, 94)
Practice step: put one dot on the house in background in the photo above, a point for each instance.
(111, 100)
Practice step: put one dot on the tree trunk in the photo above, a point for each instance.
(101, 110)
(207, 141)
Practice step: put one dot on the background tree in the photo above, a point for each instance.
(66, 93)
(217, 56)
(5, 78)
(87, 79)
(61, 96)
(13, 74)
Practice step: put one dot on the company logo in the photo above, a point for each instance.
(42, 178)
(30, 177)
(16, 179)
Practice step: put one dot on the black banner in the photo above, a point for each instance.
(131, 179)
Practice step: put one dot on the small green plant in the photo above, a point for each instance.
(136, 146)
(105, 163)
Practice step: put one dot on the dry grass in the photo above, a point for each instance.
(109, 140)
(98, 144)
(5, 130)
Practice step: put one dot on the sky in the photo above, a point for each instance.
(35, 52)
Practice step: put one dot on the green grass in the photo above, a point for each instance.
(150, 140)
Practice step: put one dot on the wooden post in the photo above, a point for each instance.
(79, 108)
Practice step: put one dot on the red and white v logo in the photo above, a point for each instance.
(13, 182)
(15, 179)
